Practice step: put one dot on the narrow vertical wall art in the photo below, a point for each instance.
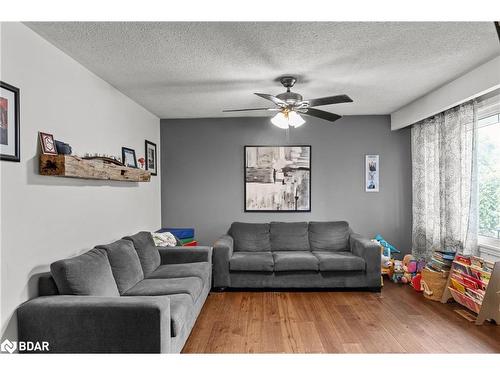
(372, 171)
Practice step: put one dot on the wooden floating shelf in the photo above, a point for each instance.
(75, 167)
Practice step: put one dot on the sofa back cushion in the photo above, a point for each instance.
(125, 264)
(250, 236)
(147, 252)
(329, 235)
(88, 274)
(289, 236)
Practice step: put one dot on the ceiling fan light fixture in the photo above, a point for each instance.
(280, 120)
(295, 120)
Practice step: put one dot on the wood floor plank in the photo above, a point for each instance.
(397, 320)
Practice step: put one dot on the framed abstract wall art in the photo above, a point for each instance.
(372, 170)
(277, 178)
(10, 149)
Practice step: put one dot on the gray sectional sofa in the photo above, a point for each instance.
(125, 297)
(295, 255)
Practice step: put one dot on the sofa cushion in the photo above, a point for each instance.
(329, 235)
(125, 264)
(146, 251)
(164, 287)
(339, 261)
(169, 271)
(295, 261)
(289, 236)
(252, 261)
(250, 237)
(181, 310)
(88, 274)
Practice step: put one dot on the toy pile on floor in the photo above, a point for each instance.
(406, 271)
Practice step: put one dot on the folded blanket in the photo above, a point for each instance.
(164, 239)
(186, 240)
(180, 233)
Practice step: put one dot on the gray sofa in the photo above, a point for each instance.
(295, 255)
(125, 297)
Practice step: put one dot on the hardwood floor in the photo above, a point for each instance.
(397, 320)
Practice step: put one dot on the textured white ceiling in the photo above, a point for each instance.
(196, 69)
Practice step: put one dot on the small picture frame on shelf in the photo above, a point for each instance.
(128, 157)
(47, 143)
(151, 163)
(9, 123)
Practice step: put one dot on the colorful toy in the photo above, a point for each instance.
(387, 247)
(416, 282)
(412, 267)
(397, 272)
(420, 265)
(409, 268)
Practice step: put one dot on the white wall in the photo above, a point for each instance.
(44, 218)
(478, 81)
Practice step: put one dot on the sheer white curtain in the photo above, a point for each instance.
(444, 175)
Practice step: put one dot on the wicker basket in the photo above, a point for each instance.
(434, 283)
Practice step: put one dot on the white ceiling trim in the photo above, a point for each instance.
(473, 84)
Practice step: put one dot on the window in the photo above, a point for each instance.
(488, 161)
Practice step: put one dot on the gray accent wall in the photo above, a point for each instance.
(202, 174)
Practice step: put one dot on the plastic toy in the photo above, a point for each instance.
(398, 272)
(409, 268)
(388, 248)
(416, 282)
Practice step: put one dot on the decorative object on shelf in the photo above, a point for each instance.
(95, 169)
(105, 159)
(151, 164)
(63, 148)
(128, 157)
(277, 178)
(372, 170)
(47, 143)
(142, 161)
(10, 148)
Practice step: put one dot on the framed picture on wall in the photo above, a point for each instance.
(128, 157)
(372, 171)
(151, 164)
(10, 148)
(277, 178)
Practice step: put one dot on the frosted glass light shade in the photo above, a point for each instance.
(283, 120)
(295, 120)
(280, 120)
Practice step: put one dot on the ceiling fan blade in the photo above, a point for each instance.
(251, 109)
(274, 99)
(329, 100)
(321, 114)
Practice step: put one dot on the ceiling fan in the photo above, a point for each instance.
(290, 106)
